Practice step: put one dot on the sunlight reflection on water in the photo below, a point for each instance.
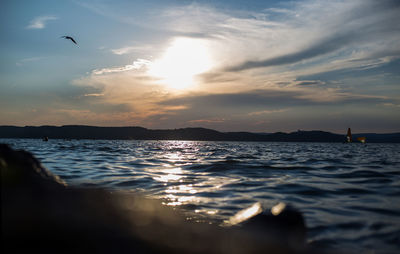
(168, 174)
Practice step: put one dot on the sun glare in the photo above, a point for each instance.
(182, 61)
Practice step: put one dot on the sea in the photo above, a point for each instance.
(348, 193)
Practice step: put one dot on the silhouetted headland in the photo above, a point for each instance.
(41, 214)
(200, 134)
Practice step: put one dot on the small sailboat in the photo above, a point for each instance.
(349, 138)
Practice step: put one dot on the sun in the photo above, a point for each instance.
(182, 61)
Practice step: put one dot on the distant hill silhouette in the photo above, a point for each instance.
(201, 134)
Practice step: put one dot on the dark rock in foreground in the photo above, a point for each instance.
(39, 213)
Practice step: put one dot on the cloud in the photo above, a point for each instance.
(40, 22)
(124, 91)
(263, 112)
(138, 64)
(341, 29)
(304, 36)
(320, 48)
(272, 99)
(391, 105)
(212, 120)
(309, 34)
(93, 94)
(130, 49)
(311, 83)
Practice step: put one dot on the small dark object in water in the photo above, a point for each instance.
(41, 214)
(45, 139)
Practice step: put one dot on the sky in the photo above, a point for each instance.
(245, 65)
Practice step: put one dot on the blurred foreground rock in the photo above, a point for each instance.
(40, 213)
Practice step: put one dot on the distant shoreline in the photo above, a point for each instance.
(190, 134)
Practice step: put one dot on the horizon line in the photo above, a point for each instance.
(198, 127)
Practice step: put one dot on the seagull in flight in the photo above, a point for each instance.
(69, 38)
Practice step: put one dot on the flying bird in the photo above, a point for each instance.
(69, 38)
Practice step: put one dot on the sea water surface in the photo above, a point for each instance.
(348, 193)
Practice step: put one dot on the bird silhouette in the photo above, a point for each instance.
(69, 38)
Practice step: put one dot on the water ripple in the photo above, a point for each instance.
(349, 194)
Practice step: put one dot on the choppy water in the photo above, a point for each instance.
(348, 193)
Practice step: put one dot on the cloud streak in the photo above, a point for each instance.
(343, 29)
(136, 65)
(271, 98)
(328, 45)
(130, 49)
(40, 22)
